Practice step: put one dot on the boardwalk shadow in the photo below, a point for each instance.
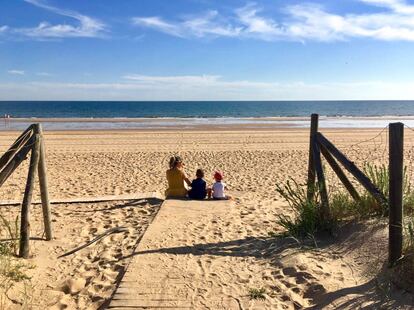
(131, 203)
(374, 294)
(250, 246)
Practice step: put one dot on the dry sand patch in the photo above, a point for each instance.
(87, 278)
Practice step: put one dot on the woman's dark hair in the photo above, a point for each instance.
(174, 160)
(200, 173)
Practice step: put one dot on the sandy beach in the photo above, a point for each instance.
(338, 274)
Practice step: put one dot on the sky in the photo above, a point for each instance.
(206, 50)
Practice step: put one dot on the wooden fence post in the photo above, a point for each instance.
(16, 160)
(352, 168)
(323, 191)
(396, 167)
(15, 147)
(44, 193)
(311, 163)
(340, 174)
(27, 199)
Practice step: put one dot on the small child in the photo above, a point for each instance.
(198, 186)
(217, 190)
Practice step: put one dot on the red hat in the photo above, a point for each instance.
(218, 175)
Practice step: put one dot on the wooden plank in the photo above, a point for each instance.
(340, 174)
(27, 199)
(311, 163)
(396, 167)
(323, 192)
(168, 251)
(137, 196)
(44, 192)
(16, 161)
(15, 147)
(353, 169)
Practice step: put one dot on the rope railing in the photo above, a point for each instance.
(319, 144)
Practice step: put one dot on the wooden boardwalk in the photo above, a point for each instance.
(161, 274)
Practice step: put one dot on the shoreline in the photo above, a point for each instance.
(150, 119)
(200, 124)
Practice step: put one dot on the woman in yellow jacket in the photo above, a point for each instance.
(176, 178)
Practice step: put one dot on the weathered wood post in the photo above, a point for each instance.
(352, 168)
(27, 200)
(340, 174)
(396, 167)
(16, 146)
(44, 193)
(323, 191)
(311, 163)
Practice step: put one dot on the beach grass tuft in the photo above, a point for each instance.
(257, 293)
(12, 271)
(306, 220)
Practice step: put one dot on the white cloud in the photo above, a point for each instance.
(298, 22)
(189, 79)
(16, 72)
(46, 74)
(204, 87)
(198, 26)
(399, 6)
(157, 23)
(87, 27)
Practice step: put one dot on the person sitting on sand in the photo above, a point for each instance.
(176, 178)
(198, 186)
(217, 190)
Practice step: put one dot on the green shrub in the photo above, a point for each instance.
(306, 220)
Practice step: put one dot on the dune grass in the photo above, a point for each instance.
(12, 270)
(257, 293)
(307, 220)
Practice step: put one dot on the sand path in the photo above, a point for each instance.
(174, 265)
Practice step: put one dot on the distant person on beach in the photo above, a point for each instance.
(218, 188)
(176, 179)
(6, 119)
(198, 186)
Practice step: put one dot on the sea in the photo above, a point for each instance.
(67, 115)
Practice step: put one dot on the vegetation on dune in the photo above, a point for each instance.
(257, 293)
(12, 271)
(307, 220)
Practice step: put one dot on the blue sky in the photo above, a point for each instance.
(206, 50)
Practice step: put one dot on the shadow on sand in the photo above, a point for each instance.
(374, 294)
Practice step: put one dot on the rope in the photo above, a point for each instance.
(100, 236)
(370, 139)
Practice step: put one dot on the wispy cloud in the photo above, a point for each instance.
(204, 87)
(209, 23)
(159, 24)
(46, 74)
(300, 22)
(184, 79)
(16, 72)
(86, 27)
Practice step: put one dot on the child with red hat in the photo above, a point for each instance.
(217, 190)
